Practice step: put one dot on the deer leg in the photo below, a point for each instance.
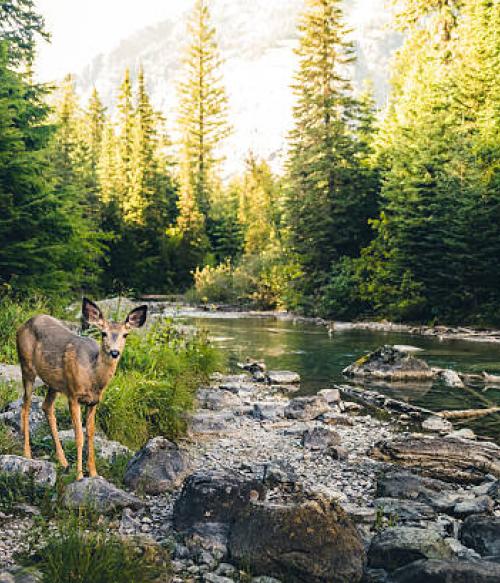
(48, 408)
(28, 380)
(90, 440)
(76, 418)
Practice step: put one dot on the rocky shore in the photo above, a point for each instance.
(271, 487)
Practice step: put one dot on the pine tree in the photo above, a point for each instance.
(327, 201)
(202, 111)
(126, 124)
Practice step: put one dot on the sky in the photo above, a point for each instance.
(83, 29)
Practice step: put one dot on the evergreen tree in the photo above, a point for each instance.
(126, 125)
(20, 25)
(328, 202)
(202, 113)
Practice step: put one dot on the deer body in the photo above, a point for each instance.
(75, 366)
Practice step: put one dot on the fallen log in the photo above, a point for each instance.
(468, 413)
(448, 459)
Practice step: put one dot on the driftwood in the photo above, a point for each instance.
(468, 413)
(444, 458)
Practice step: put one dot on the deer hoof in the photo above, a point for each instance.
(79, 477)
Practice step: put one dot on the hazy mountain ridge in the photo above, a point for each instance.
(257, 41)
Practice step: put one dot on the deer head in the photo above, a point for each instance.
(114, 334)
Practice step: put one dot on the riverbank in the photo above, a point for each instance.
(257, 453)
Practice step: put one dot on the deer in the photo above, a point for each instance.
(76, 366)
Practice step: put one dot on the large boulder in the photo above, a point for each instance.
(42, 472)
(482, 533)
(443, 458)
(214, 496)
(311, 541)
(306, 408)
(404, 510)
(99, 495)
(447, 571)
(390, 363)
(401, 545)
(160, 466)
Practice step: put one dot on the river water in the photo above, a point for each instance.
(319, 358)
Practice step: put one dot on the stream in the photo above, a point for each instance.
(319, 358)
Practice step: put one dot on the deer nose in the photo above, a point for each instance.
(114, 353)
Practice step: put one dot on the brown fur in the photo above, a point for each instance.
(76, 366)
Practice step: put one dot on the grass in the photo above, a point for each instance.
(20, 488)
(156, 384)
(77, 551)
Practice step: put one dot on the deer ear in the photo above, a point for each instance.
(137, 317)
(91, 314)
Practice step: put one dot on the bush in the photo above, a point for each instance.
(9, 445)
(8, 393)
(17, 488)
(78, 552)
(156, 385)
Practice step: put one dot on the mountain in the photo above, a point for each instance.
(257, 41)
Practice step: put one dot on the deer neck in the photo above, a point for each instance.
(105, 368)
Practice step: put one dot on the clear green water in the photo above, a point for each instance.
(308, 350)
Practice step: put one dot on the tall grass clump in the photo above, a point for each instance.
(156, 384)
(77, 552)
(13, 313)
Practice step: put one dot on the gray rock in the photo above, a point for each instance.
(494, 490)
(99, 495)
(306, 408)
(451, 378)
(242, 389)
(107, 449)
(283, 377)
(214, 496)
(12, 415)
(264, 579)
(280, 474)
(129, 523)
(338, 452)
(217, 399)
(360, 514)
(437, 424)
(331, 396)
(448, 571)
(42, 472)
(463, 433)
(482, 533)
(405, 510)
(160, 466)
(11, 373)
(320, 438)
(390, 363)
(397, 546)
(214, 578)
(333, 418)
(400, 484)
(269, 410)
(479, 505)
(226, 570)
(20, 575)
(208, 422)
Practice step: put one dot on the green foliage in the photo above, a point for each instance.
(80, 553)
(20, 488)
(156, 385)
(9, 444)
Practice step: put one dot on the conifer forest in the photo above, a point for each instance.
(379, 212)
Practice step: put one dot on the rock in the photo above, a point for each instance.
(437, 424)
(390, 363)
(269, 410)
(494, 490)
(401, 545)
(208, 422)
(331, 396)
(217, 399)
(280, 474)
(214, 496)
(449, 571)
(20, 575)
(107, 449)
(360, 514)
(99, 495)
(481, 533)
(479, 505)
(398, 484)
(129, 524)
(448, 459)
(405, 510)
(282, 377)
(311, 541)
(242, 389)
(160, 466)
(252, 366)
(214, 578)
(320, 438)
(332, 418)
(226, 570)
(451, 378)
(463, 433)
(306, 408)
(12, 415)
(210, 536)
(42, 472)
(352, 406)
(11, 373)
(264, 579)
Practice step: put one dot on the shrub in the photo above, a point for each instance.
(16, 488)
(79, 552)
(215, 284)
(8, 442)
(8, 393)
(156, 385)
